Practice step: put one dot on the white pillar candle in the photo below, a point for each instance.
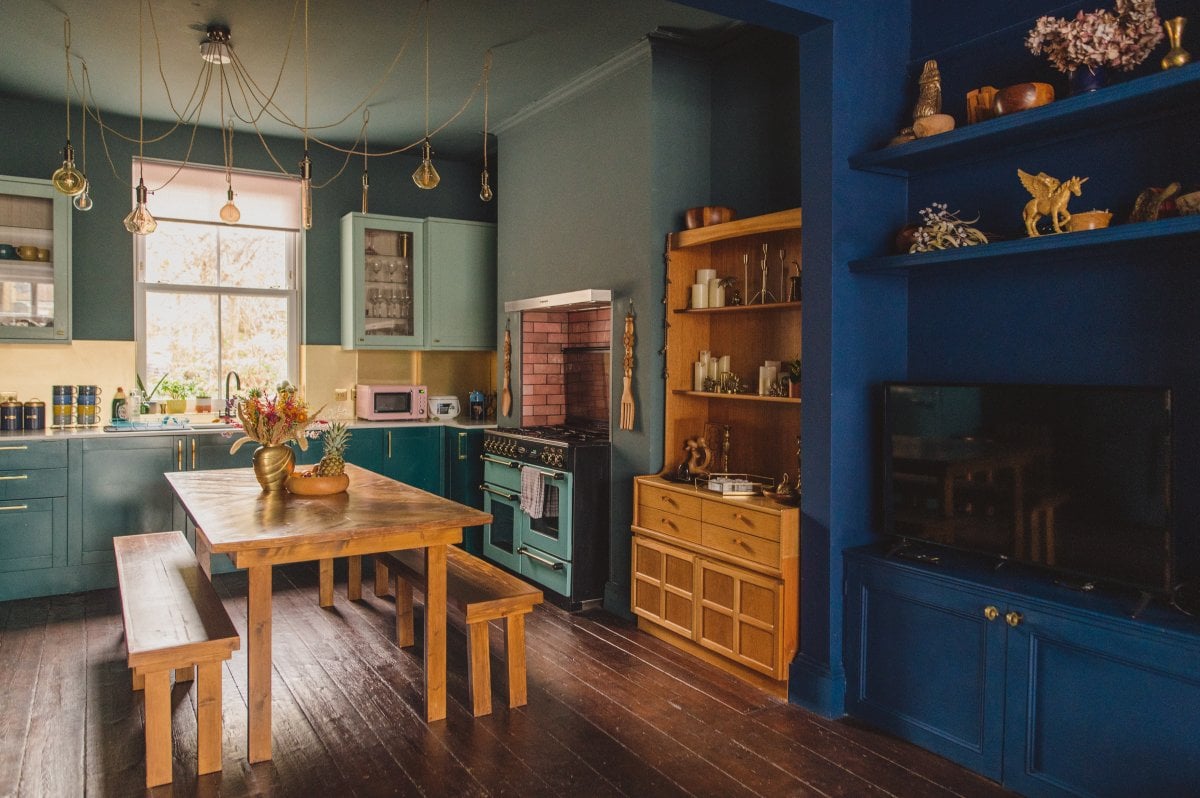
(699, 296)
(723, 364)
(762, 380)
(772, 375)
(716, 293)
(712, 369)
(704, 275)
(698, 370)
(704, 356)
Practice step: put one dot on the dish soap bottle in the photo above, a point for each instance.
(118, 405)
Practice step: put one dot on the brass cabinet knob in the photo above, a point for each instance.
(1013, 619)
(990, 612)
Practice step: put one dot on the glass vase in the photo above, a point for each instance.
(273, 465)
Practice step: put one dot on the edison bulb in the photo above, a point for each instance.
(485, 189)
(67, 178)
(229, 212)
(425, 175)
(306, 191)
(83, 200)
(140, 221)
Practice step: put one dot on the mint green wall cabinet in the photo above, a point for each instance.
(383, 282)
(35, 294)
(463, 474)
(33, 509)
(413, 455)
(460, 278)
(117, 488)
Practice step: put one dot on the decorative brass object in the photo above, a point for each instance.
(1050, 196)
(273, 465)
(1176, 56)
(929, 100)
(1013, 619)
(991, 613)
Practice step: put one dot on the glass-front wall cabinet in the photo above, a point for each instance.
(35, 261)
(382, 282)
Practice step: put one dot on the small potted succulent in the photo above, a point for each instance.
(179, 390)
(793, 367)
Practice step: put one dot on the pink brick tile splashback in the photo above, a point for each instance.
(553, 382)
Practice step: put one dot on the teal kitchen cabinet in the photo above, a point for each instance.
(462, 476)
(460, 279)
(117, 488)
(35, 294)
(33, 512)
(413, 455)
(383, 282)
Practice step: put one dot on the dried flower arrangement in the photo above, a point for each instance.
(1099, 38)
(273, 420)
(941, 229)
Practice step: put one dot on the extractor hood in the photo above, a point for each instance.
(572, 300)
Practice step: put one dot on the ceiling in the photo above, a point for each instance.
(537, 45)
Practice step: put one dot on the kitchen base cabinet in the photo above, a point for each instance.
(664, 585)
(413, 455)
(462, 476)
(1048, 691)
(33, 514)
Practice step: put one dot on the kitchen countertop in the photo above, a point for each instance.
(98, 431)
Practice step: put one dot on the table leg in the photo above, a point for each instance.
(354, 577)
(381, 578)
(435, 632)
(325, 592)
(258, 657)
(203, 553)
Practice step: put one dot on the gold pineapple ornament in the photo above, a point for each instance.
(336, 440)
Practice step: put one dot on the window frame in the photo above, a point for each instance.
(295, 267)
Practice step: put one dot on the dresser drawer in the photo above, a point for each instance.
(17, 456)
(740, 544)
(669, 500)
(26, 534)
(33, 484)
(742, 519)
(668, 523)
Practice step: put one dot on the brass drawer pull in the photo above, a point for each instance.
(20, 476)
(991, 613)
(15, 507)
(1013, 619)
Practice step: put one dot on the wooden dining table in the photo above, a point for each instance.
(258, 530)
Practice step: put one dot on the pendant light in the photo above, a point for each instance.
(306, 212)
(366, 183)
(139, 221)
(229, 212)
(83, 200)
(67, 178)
(425, 175)
(485, 189)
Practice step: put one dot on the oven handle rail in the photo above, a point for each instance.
(551, 564)
(502, 494)
(556, 475)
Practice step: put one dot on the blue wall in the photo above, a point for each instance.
(32, 136)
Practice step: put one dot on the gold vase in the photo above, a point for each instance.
(273, 465)
(1176, 56)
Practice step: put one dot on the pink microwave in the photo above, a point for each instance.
(391, 402)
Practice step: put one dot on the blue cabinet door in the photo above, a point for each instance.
(463, 475)
(211, 450)
(925, 663)
(117, 487)
(1097, 709)
(413, 455)
(366, 449)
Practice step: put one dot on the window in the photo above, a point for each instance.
(213, 298)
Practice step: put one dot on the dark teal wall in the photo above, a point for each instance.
(31, 137)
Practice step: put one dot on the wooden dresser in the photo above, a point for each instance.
(718, 576)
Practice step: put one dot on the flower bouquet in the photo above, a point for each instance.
(1098, 39)
(273, 421)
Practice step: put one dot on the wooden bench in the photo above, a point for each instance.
(482, 592)
(174, 621)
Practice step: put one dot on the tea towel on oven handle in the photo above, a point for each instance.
(533, 492)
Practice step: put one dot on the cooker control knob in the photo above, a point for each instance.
(520, 450)
(559, 459)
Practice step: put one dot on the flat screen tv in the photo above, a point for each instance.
(1066, 477)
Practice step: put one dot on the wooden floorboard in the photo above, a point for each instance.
(611, 712)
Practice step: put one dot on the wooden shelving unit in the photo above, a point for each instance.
(740, 397)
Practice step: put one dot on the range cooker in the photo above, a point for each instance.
(566, 549)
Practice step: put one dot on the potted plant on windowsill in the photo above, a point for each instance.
(179, 391)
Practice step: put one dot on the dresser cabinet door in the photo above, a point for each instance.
(664, 585)
(739, 616)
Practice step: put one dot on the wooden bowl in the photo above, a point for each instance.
(1022, 97)
(317, 486)
(1089, 220)
(704, 215)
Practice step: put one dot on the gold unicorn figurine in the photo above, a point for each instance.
(1050, 198)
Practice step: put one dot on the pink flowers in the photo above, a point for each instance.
(272, 420)
(1099, 38)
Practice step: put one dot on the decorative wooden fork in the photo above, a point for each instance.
(627, 406)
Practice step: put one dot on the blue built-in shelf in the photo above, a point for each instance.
(1116, 105)
(1140, 235)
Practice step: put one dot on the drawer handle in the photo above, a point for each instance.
(991, 613)
(668, 500)
(15, 507)
(14, 448)
(551, 564)
(744, 519)
(669, 522)
(1013, 619)
(20, 476)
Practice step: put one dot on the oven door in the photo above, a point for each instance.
(552, 532)
(502, 537)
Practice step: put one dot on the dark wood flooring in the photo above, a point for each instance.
(611, 712)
